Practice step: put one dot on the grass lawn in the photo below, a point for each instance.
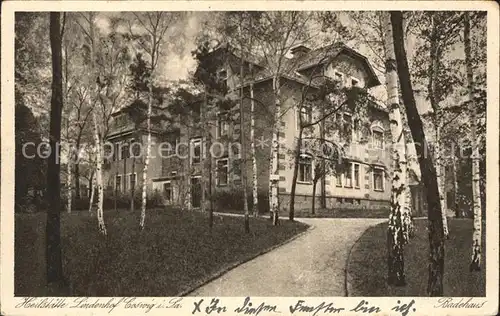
(344, 213)
(368, 263)
(174, 252)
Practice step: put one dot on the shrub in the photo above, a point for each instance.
(233, 200)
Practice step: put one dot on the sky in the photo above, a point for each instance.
(177, 62)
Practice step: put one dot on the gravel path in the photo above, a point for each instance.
(311, 265)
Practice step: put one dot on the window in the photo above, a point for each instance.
(354, 82)
(196, 150)
(356, 176)
(235, 150)
(338, 179)
(118, 183)
(237, 171)
(222, 172)
(116, 152)
(305, 113)
(378, 179)
(305, 168)
(132, 180)
(135, 148)
(378, 139)
(348, 177)
(338, 76)
(124, 150)
(167, 191)
(222, 124)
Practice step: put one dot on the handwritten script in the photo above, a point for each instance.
(246, 306)
(100, 303)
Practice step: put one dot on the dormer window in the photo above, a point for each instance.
(354, 82)
(338, 76)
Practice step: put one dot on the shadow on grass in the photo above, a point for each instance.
(368, 263)
(175, 250)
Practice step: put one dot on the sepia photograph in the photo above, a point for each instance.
(251, 153)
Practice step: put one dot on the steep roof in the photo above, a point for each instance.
(326, 54)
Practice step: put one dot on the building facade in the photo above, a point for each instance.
(176, 178)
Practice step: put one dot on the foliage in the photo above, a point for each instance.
(30, 172)
(232, 200)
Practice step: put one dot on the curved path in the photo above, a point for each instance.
(311, 265)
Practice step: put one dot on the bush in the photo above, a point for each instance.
(232, 200)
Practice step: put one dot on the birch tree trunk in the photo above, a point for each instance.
(255, 183)
(100, 189)
(92, 189)
(410, 160)
(97, 138)
(146, 161)
(313, 203)
(243, 155)
(296, 158)
(427, 167)
(396, 232)
(440, 180)
(475, 264)
(433, 73)
(274, 164)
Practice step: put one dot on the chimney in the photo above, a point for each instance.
(299, 51)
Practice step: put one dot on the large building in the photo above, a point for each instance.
(365, 181)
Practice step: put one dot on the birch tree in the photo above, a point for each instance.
(107, 57)
(97, 134)
(427, 167)
(437, 71)
(370, 31)
(154, 26)
(396, 234)
(475, 264)
(276, 33)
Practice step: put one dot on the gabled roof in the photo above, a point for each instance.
(326, 54)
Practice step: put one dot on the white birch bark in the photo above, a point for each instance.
(440, 180)
(458, 213)
(97, 136)
(255, 182)
(475, 264)
(146, 160)
(274, 165)
(100, 189)
(399, 211)
(92, 189)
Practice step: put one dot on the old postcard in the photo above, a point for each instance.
(249, 158)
